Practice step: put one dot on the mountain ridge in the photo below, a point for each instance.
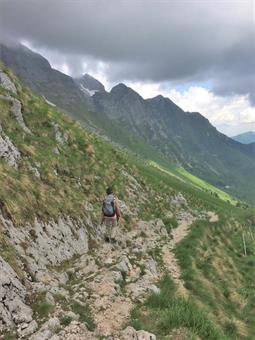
(170, 261)
(245, 138)
(186, 137)
(159, 127)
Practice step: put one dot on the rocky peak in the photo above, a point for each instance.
(90, 84)
(163, 102)
(121, 90)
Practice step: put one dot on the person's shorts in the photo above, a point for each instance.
(110, 222)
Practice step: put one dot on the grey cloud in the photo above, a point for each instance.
(143, 40)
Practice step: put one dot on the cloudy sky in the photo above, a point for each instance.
(199, 53)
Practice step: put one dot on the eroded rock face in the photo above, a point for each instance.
(8, 150)
(61, 137)
(40, 245)
(16, 106)
(6, 82)
(13, 310)
(16, 109)
(17, 112)
(48, 243)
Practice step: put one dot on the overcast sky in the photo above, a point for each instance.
(200, 53)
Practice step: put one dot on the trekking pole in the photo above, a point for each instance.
(251, 234)
(244, 245)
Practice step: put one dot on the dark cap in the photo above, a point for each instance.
(109, 191)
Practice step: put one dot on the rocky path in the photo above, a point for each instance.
(126, 272)
(107, 281)
(115, 277)
(110, 279)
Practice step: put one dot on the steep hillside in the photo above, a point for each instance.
(245, 138)
(187, 138)
(36, 73)
(155, 128)
(61, 280)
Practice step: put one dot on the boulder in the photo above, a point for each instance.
(131, 334)
(27, 329)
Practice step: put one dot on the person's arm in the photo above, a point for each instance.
(117, 208)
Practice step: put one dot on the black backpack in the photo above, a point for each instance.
(108, 208)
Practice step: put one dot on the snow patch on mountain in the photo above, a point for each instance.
(87, 91)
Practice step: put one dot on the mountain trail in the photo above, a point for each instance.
(126, 272)
(168, 256)
(93, 294)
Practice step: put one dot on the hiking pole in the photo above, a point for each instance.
(251, 234)
(244, 245)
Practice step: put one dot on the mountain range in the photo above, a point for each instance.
(156, 129)
(245, 138)
(180, 262)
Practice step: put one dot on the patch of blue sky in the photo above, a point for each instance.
(183, 87)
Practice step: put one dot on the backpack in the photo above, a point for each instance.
(109, 206)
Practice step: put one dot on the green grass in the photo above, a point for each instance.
(65, 320)
(85, 314)
(169, 312)
(187, 177)
(10, 255)
(9, 335)
(218, 274)
(170, 223)
(204, 185)
(41, 307)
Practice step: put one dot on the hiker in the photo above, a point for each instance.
(110, 213)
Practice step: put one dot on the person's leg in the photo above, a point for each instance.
(106, 231)
(113, 230)
(110, 228)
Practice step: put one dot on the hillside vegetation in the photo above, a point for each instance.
(155, 129)
(183, 262)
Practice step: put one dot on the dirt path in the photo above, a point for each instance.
(169, 259)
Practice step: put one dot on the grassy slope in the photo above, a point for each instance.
(219, 278)
(184, 175)
(79, 174)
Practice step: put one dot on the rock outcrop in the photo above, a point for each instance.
(60, 136)
(16, 109)
(13, 309)
(6, 82)
(51, 243)
(131, 334)
(8, 150)
(16, 106)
